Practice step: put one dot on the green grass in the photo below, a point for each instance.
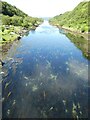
(76, 19)
(15, 23)
(9, 34)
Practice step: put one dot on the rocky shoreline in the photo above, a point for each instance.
(12, 33)
(7, 44)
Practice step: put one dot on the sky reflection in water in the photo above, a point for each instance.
(45, 76)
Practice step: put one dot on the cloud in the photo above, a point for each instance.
(44, 8)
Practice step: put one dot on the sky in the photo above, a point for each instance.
(44, 8)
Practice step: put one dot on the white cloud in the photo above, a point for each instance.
(44, 8)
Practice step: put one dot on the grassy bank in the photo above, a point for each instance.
(75, 20)
(10, 33)
(14, 23)
(12, 28)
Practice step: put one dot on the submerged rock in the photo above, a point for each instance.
(64, 102)
(44, 94)
(81, 112)
(53, 77)
(78, 105)
(9, 94)
(41, 74)
(8, 112)
(66, 110)
(7, 84)
(74, 112)
(51, 108)
(48, 64)
(26, 78)
(74, 106)
(14, 102)
(4, 73)
(34, 88)
(26, 84)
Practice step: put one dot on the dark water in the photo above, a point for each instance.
(45, 76)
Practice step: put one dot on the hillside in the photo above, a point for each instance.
(13, 16)
(77, 19)
(15, 23)
(10, 10)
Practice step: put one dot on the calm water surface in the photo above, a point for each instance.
(45, 76)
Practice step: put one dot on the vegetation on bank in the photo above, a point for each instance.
(81, 43)
(15, 23)
(75, 20)
(10, 10)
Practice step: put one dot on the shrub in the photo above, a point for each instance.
(6, 20)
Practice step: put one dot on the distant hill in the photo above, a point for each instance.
(10, 10)
(76, 19)
(14, 16)
(46, 18)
